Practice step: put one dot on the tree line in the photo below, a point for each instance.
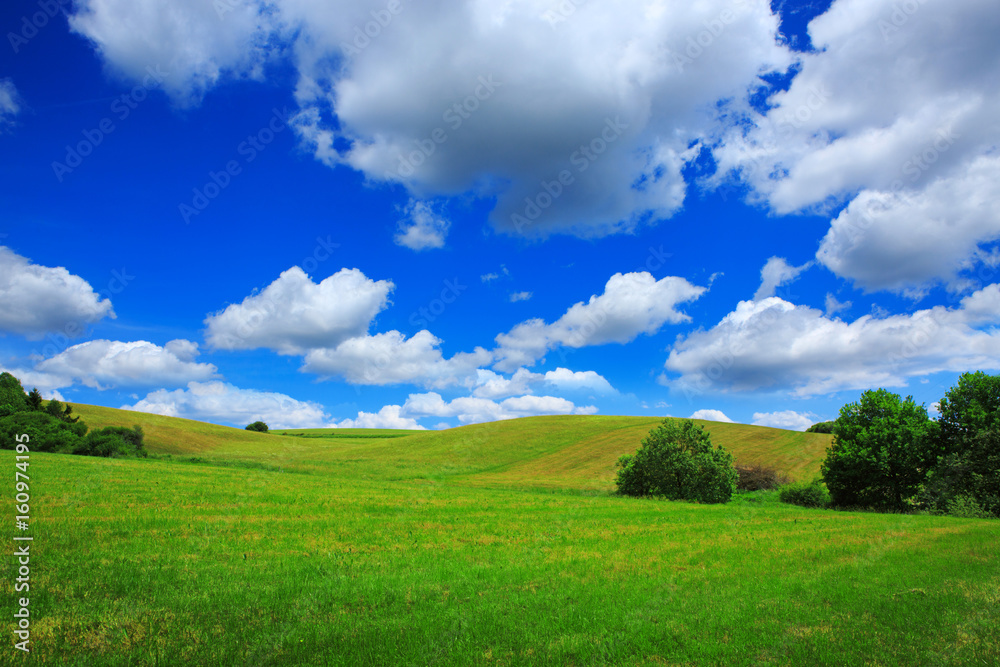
(51, 426)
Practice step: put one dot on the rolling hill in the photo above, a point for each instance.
(539, 452)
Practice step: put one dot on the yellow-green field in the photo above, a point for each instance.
(493, 544)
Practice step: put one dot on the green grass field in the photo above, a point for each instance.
(493, 544)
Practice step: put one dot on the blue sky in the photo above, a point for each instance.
(394, 214)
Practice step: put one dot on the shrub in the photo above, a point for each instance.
(257, 426)
(45, 432)
(677, 461)
(811, 494)
(966, 507)
(113, 442)
(882, 449)
(822, 427)
(12, 396)
(756, 477)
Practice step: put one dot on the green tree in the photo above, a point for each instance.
(821, 427)
(35, 400)
(257, 426)
(969, 447)
(12, 396)
(677, 461)
(882, 448)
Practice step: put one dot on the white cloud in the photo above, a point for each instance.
(387, 417)
(223, 402)
(833, 306)
(776, 273)
(786, 419)
(38, 299)
(493, 385)
(632, 304)
(473, 410)
(189, 44)
(905, 241)
(712, 416)
(422, 228)
(139, 363)
(293, 314)
(488, 277)
(475, 96)
(520, 296)
(775, 345)
(391, 358)
(10, 104)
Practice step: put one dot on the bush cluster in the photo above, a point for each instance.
(887, 454)
(757, 477)
(53, 428)
(677, 461)
(805, 494)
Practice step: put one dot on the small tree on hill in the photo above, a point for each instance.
(12, 397)
(677, 461)
(882, 448)
(35, 400)
(257, 426)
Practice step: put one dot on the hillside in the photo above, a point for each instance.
(556, 452)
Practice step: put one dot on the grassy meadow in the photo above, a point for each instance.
(492, 544)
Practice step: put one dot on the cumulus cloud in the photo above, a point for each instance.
(387, 417)
(590, 120)
(422, 228)
(712, 416)
(906, 241)
(132, 364)
(392, 358)
(35, 299)
(786, 419)
(225, 403)
(777, 273)
(10, 104)
(293, 314)
(494, 385)
(472, 410)
(775, 345)
(631, 304)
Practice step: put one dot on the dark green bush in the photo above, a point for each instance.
(257, 426)
(677, 461)
(805, 494)
(46, 433)
(113, 442)
(756, 477)
(822, 427)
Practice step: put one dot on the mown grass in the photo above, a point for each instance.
(374, 558)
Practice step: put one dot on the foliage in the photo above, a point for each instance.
(257, 426)
(61, 410)
(882, 449)
(821, 427)
(969, 408)
(12, 396)
(805, 494)
(677, 461)
(46, 433)
(35, 400)
(113, 442)
(968, 470)
(756, 477)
